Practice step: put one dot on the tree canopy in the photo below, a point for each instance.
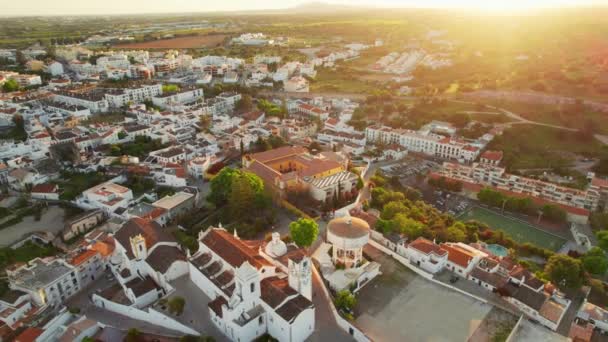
(564, 271)
(221, 184)
(10, 85)
(304, 232)
(345, 300)
(595, 261)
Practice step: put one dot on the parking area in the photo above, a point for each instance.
(450, 203)
(409, 167)
(399, 305)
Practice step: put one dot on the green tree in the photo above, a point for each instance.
(360, 183)
(241, 197)
(133, 335)
(345, 300)
(221, 184)
(456, 232)
(599, 221)
(304, 232)
(176, 305)
(407, 226)
(554, 213)
(491, 197)
(602, 239)
(595, 261)
(204, 122)
(10, 85)
(564, 271)
(245, 104)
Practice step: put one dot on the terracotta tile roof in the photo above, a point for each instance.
(580, 333)
(551, 311)
(493, 279)
(275, 291)
(82, 257)
(457, 255)
(294, 307)
(216, 305)
(45, 188)
(232, 250)
(426, 246)
(599, 182)
(163, 256)
(252, 116)
(277, 153)
(492, 155)
(29, 335)
(141, 286)
(150, 230)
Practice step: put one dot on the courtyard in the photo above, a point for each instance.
(399, 305)
(518, 230)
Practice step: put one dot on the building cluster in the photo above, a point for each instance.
(488, 173)
(476, 262)
(406, 62)
(287, 169)
(436, 139)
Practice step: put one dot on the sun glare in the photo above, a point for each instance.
(504, 5)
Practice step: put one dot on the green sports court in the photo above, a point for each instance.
(518, 230)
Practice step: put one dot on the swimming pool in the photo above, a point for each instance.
(498, 250)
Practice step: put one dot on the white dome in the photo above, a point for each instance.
(276, 247)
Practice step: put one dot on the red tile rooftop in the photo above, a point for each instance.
(492, 155)
(458, 255)
(82, 257)
(426, 246)
(45, 188)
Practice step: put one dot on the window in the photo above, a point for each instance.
(252, 287)
(261, 320)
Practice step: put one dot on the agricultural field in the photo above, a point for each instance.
(191, 42)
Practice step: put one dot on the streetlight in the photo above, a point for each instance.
(504, 202)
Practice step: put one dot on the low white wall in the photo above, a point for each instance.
(151, 316)
(419, 271)
(350, 329)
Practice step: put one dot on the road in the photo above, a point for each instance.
(326, 327)
(518, 119)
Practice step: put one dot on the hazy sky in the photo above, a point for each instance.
(58, 7)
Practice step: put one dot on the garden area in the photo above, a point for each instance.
(138, 148)
(74, 183)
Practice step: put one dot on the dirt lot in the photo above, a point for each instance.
(177, 43)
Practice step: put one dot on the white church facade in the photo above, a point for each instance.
(256, 287)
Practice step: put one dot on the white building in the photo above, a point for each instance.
(254, 291)
(424, 141)
(181, 96)
(462, 258)
(55, 68)
(136, 93)
(427, 255)
(47, 281)
(296, 84)
(106, 196)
